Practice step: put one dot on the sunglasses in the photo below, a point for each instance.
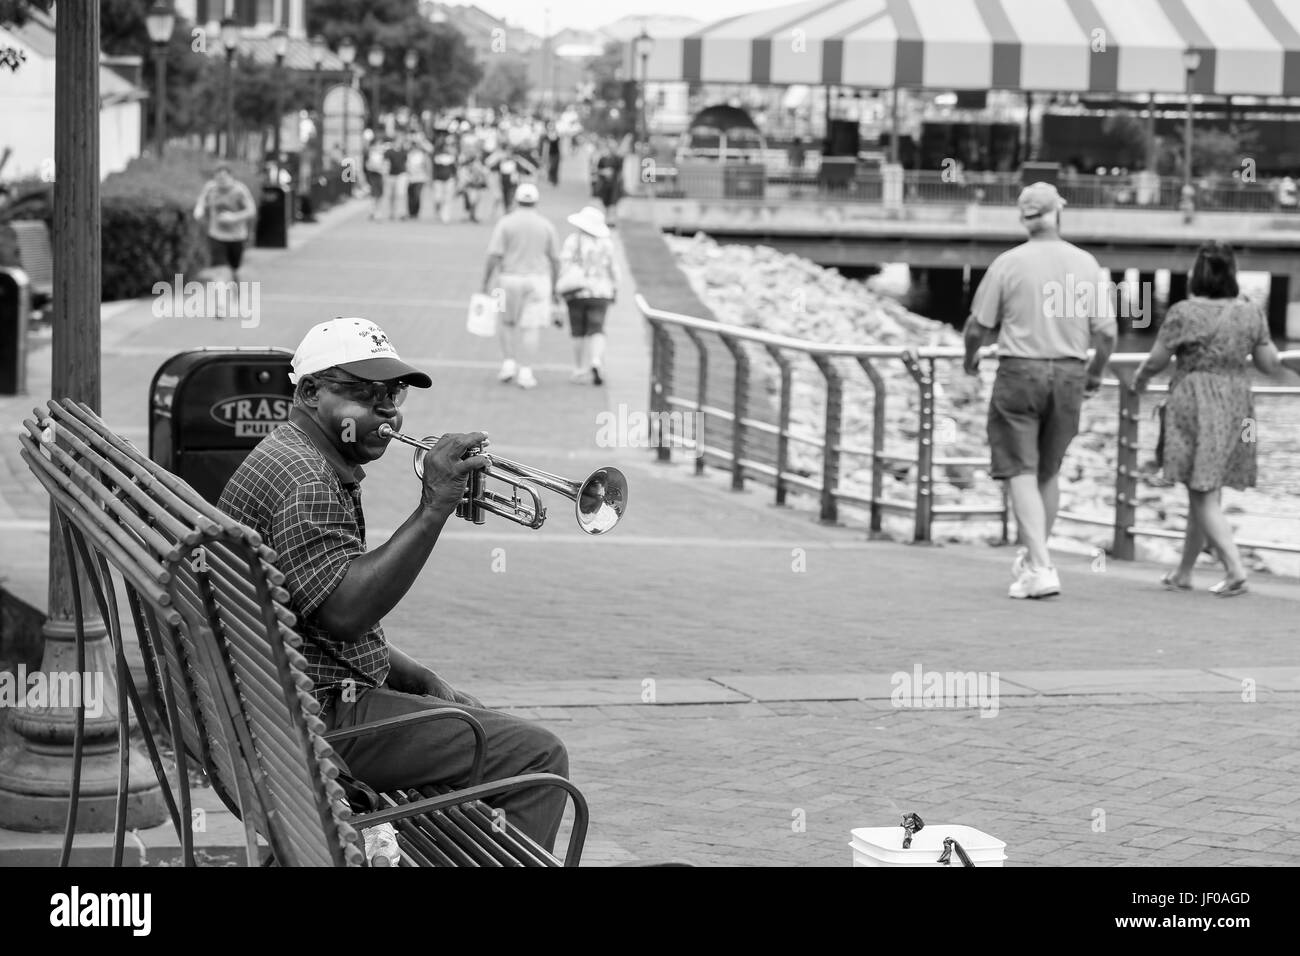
(370, 393)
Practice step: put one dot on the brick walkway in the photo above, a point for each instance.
(769, 638)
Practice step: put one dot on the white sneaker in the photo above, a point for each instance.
(526, 379)
(1036, 583)
(508, 369)
(1020, 563)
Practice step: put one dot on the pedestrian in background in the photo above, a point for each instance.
(473, 181)
(551, 147)
(1043, 371)
(444, 179)
(417, 177)
(227, 206)
(523, 261)
(395, 178)
(376, 164)
(588, 281)
(1208, 433)
(609, 180)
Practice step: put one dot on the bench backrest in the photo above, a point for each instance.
(217, 637)
(35, 254)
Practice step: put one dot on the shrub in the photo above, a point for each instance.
(148, 229)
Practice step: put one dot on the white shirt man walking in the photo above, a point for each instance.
(523, 262)
(1045, 301)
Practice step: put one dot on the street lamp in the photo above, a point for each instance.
(160, 21)
(410, 61)
(1191, 63)
(643, 45)
(376, 60)
(280, 44)
(230, 41)
(348, 54)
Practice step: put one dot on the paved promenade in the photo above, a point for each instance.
(721, 669)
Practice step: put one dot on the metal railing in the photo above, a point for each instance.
(935, 187)
(751, 447)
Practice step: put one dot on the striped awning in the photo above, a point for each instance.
(1247, 47)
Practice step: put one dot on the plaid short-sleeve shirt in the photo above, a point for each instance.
(307, 508)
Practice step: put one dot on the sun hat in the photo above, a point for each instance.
(591, 221)
(527, 194)
(357, 346)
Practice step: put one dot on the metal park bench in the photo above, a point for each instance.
(36, 256)
(226, 671)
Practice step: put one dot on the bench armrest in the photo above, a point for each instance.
(454, 799)
(440, 713)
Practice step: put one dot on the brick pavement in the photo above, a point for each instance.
(700, 591)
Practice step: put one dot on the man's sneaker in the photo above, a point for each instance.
(508, 369)
(526, 379)
(1036, 583)
(1020, 563)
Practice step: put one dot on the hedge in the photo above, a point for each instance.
(148, 231)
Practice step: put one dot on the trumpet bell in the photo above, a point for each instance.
(601, 501)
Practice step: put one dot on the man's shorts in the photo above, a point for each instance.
(528, 300)
(1034, 414)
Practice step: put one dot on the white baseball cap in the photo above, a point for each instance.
(357, 346)
(527, 194)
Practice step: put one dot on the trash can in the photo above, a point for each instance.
(209, 407)
(747, 181)
(15, 312)
(274, 214)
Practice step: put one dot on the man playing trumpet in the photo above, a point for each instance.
(300, 489)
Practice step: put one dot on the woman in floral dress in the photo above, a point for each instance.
(1210, 429)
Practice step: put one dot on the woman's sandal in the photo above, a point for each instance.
(1172, 585)
(1226, 588)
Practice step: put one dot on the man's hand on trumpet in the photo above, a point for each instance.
(446, 469)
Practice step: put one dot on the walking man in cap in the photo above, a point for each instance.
(1045, 302)
(300, 489)
(524, 260)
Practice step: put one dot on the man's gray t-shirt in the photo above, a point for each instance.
(526, 242)
(1046, 297)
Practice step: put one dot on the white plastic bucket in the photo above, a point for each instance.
(883, 846)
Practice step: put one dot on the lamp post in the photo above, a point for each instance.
(348, 54)
(643, 45)
(280, 44)
(230, 42)
(160, 21)
(318, 49)
(376, 60)
(410, 61)
(1191, 63)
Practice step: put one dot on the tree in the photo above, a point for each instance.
(1215, 152)
(123, 32)
(505, 83)
(447, 68)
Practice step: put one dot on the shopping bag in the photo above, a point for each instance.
(482, 318)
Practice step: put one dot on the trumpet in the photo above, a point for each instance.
(598, 502)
